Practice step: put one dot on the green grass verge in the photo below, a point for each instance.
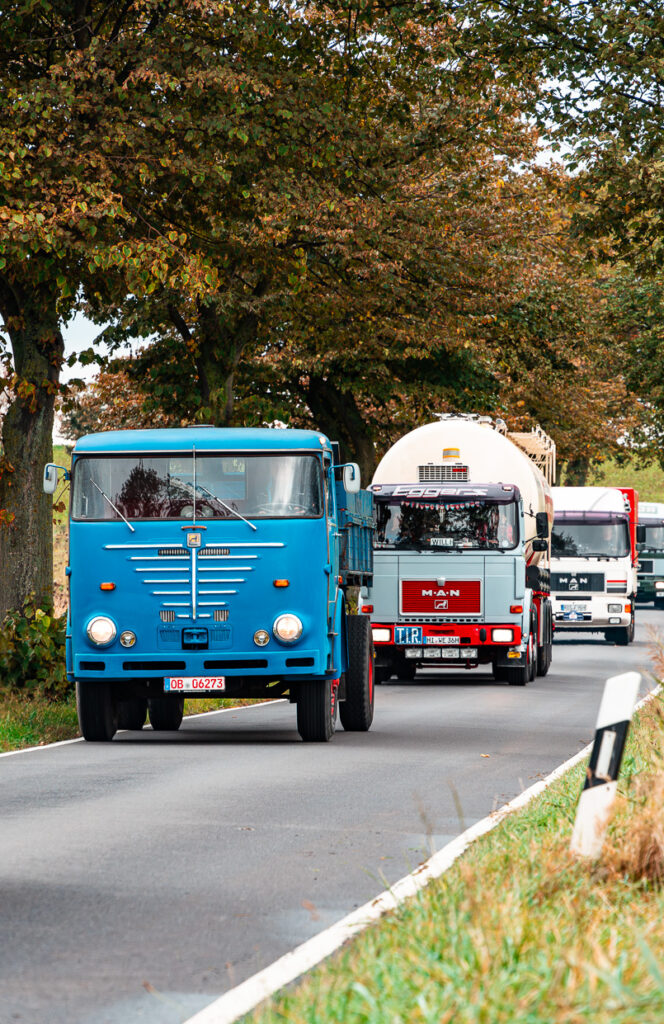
(32, 722)
(516, 931)
(648, 480)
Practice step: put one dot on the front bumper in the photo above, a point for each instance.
(273, 664)
(596, 612)
(447, 646)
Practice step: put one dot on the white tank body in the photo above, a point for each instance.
(490, 456)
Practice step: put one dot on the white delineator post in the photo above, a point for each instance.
(599, 788)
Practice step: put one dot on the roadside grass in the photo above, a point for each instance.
(648, 480)
(519, 930)
(33, 721)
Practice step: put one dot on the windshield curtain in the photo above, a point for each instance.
(435, 525)
(608, 539)
(162, 487)
(654, 541)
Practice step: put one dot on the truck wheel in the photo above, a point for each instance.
(317, 710)
(406, 671)
(543, 659)
(521, 675)
(166, 713)
(131, 713)
(97, 710)
(499, 673)
(357, 710)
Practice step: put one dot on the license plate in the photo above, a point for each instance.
(442, 640)
(194, 684)
(566, 607)
(408, 634)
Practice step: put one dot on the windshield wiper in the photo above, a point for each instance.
(223, 504)
(114, 507)
(201, 487)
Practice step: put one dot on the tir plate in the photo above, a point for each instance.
(194, 684)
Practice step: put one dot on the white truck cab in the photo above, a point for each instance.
(593, 561)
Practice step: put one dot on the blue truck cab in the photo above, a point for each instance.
(215, 562)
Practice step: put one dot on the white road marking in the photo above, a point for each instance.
(245, 997)
(202, 714)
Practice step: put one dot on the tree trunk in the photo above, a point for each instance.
(26, 543)
(576, 472)
(336, 413)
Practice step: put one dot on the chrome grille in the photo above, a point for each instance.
(221, 615)
(166, 615)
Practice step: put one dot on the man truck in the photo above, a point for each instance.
(461, 560)
(209, 562)
(594, 559)
(650, 543)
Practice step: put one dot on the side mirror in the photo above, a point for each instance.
(50, 478)
(540, 544)
(641, 534)
(541, 525)
(352, 478)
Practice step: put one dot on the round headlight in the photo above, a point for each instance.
(287, 628)
(101, 630)
(127, 638)
(261, 637)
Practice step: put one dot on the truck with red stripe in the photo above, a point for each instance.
(461, 551)
(594, 560)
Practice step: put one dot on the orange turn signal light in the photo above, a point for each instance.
(107, 586)
(367, 608)
(628, 607)
(516, 608)
(281, 583)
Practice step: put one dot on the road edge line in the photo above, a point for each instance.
(201, 714)
(246, 997)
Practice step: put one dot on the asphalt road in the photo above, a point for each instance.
(141, 879)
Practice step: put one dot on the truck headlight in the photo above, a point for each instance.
(615, 607)
(381, 635)
(659, 585)
(101, 630)
(287, 628)
(502, 636)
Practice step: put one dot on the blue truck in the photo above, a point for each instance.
(216, 562)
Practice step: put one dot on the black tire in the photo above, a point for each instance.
(166, 713)
(521, 675)
(132, 713)
(406, 671)
(357, 710)
(381, 674)
(544, 656)
(97, 710)
(317, 710)
(659, 602)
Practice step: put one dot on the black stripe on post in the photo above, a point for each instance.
(606, 755)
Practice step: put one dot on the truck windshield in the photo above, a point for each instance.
(654, 542)
(436, 525)
(163, 486)
(590, 536)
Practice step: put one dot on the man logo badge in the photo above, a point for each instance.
(573, 584)
(440, 606)
(193, 540)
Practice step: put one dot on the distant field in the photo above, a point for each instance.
(61, 456)
(648, 481)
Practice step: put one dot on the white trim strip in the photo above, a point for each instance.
(245, 997)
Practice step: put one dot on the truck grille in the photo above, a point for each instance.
(194, 583)
(573, 582)
(427, 597)
(646, 565)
